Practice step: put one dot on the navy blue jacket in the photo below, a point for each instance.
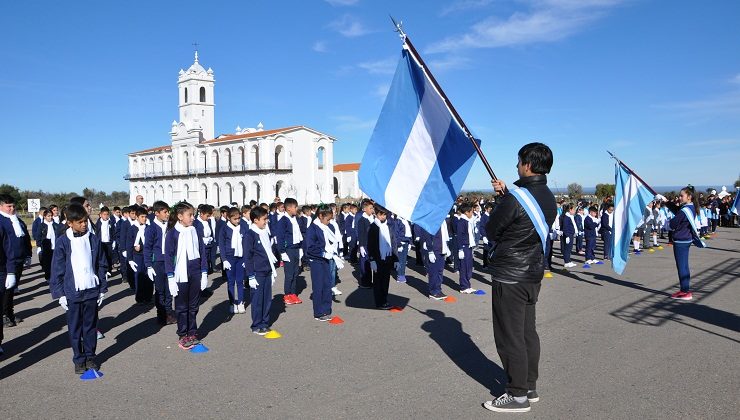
(605, 228)
(315, 243)
(567, 226)
(401, 231)
(373, 243)
(303, 223)
(461, 229)
(170, 253)
(21, 246)
(433, 242)
(283, 232)
(153, 239)
(122, 228)
(7, 255)
(224, 241)
(131, 237)
(350, 230)
(363, 225)
(579, 222)
(590, 227)
(482, 223)
(201, 231)
(35, 226)
(111, 229)
(255, 258)
(44, 229)
(340, 222)
(680, 224)
(62, 280)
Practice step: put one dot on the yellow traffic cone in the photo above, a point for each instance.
(273, 335)
(548, 275)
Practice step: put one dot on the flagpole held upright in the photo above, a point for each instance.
(632, 172)
(417, 57)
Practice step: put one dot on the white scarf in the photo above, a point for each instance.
(163, 226)
(265, 241)
(56, 219)
(336, 233)
(16, 223)
(246, 220)
(445, 238)
(369, 217)
(206, 228)
(187, 249)
(297, 237)
(81, 261)
(595, 220)
(50, 234)
(330, 240)
(236, 240)
(104, 232)
(610, 216)
(406, 227)
(573, 221)
(471, 233)
(384, 239)
(139, 234)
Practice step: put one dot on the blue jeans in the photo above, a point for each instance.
(607, 238)
(235, 281)
(261, 301)
(321, 286)
(290, 270)
(402, 255)
(681, 253)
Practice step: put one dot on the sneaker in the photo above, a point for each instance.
(185, 343)
(323, 318)
(7, 322)
(232, 309)
(80, 368)
(100, 335)
(438, 296)
(194, 339)
(532, 396)
(468, 291)
(401, 279)
(171, 319)
(296, 299)
(261, 331)
(241, 309)
(507, 404)
(384, 307)
(335, 291)
(288, 300)
(682, 295)
(362, 286)
(91, 364)
(569, 265)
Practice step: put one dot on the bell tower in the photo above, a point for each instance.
(195, 86)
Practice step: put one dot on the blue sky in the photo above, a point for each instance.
(656, 82)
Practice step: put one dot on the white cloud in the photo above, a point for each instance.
(381, 91)
(384, 66)
(449, 62)
(719, 105)
(320, 47)
(349, 26)
(735, 80)
(546, 21)
(353, 123)
(342, 2)
(464, 5)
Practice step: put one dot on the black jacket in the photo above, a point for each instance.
(518, 254)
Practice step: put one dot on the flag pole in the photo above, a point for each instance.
(632, 172)
(452, 109)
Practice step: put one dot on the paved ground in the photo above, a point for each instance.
(612, 347)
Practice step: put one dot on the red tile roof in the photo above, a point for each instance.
(153, 149)
(343, 167)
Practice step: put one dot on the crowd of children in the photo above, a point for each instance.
(165, 254)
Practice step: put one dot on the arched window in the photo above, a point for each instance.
(186, 95)
(216, 195)
(255, 157)
(227, 193)
(242, 160)
(279, 154)
(204, 159)
(186, 162)
(202, 94)
(215, 161)
(228, 160)
(204, 193)
(185, 192)
(257, 194)
(242, 193)
(278, 187)
(150, 167)
(168, 168)
(320, 155)
(160, 165)
(336, 186)
(170, 194)
(135, 167)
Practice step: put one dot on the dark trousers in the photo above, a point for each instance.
(453, 249)
(290, 270)
(681, 254)
(579, 243)
(435, 273)
(45, 258)
(381, 281)
(124, 268)
(211, 257)
(548, 254)
(82, 323)
(607, 238)
(235, 282)
(366, 275)
(419, 253)
(261, 301)
(186, 304)
(8, 300)
(566, 247)
(466, 268)
(590, 248)
(402, 256)
(515, 332)
(2, 298)
(162, 296)
(107, 248)
(714, 224)
(321, 285)
(142, 283)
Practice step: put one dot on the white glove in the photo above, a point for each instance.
(373, 266)
(63, 302)
(151, 273)
(400, 248)
(203, 281)
(567, 240)
(107, 275)
(172, 286)
(363, 253)
(300, 255)
(133, 265)
(100, 299)
(338, 262)
(38, 250)
(10, 281)
(349, 239)
(461, 254)
(227, 265)
(253, 283)
(660, 197)
(417, 239)
(432, 258)
(284, 257)
(125, 254)
(485, 240)
(113, 246)
(424, 246)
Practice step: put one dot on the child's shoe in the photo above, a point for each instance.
(240, 308)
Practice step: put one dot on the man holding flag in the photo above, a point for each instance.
(519, 226)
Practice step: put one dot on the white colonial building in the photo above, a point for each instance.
(251, 164)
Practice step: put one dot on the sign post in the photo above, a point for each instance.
(34, 204)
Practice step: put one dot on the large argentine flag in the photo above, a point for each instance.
(631, 198)
(418, 156)
(736, 204)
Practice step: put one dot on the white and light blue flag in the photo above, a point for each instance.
(736, 204)
(631, 198)
(419, 155)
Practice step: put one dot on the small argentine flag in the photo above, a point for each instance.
(736, 204)
(631, 198)
(419, 155)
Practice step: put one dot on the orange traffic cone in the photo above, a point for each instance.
(450, 299)
(336, 320)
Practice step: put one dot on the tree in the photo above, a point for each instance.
(737, 182)
(605, 190)
(13, 192)
(575, 191)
